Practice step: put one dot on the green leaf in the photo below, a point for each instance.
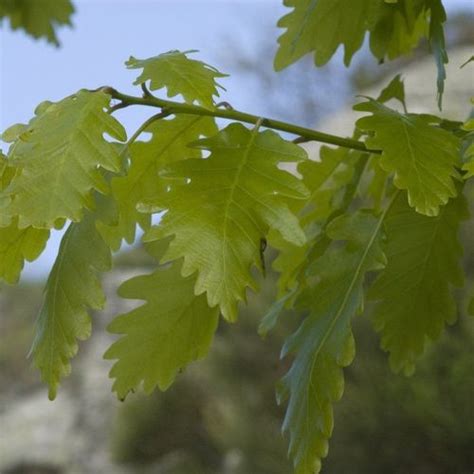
(73, 288)
(288, 263)
(422, 156)
(378, 186)
(333, 181)
(395, 27)
(424, 260)
(18, 245)
(270, 319)
(194, 80)
(39, 19)
(394, 90)
(219, 208)
(169, 143)
(326, 180)
(437, 43)
(398, 29)
(58, 158)
(324, 343)
(469, 151)
(6, 175)
(13, 133)
(173, 328)
(321, 26)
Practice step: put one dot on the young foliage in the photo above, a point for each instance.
(324, 344)
(169, 143)
(329, 180)
(58, 157)
(16, 245)
(391, 199)
(173, 328)
(194, 80)
(335, 24)
(6, 175)
(219, 209)
(73, 288)
(422, 156)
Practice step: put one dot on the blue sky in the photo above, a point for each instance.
(106, 32)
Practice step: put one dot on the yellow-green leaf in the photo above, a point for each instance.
(172, 329)
(169, 143)
(58, 157)
(219, 209)
(193, 79)
(422, 156)
(324, 344)
(18, 245)
(6, 175)
(321, 26)
(73, 288)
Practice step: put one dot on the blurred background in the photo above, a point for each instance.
(221, 416)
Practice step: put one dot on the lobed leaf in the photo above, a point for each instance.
(16, 245)
(59, 157)
(173, 328)
(219, 209)
(395, 28)
(321, 26)
(423, 157)
(394, 90)
(194, 80)
(398, 28)
(72, 289)
(324, 344)
(327, 180)
(169, 143)
(424, 260)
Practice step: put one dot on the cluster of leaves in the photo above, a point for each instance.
(395, 27)
(39, 19)
(391, 205)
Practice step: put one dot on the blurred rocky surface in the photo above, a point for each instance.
(71, 434)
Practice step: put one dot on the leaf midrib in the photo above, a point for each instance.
(230, 200)
(346, 297)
